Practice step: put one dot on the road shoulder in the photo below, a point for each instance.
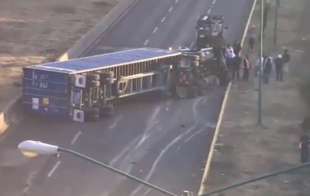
(245, 150)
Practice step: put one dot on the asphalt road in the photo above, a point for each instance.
(164, 141)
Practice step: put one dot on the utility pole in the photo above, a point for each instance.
(275, 30)
(259, 117)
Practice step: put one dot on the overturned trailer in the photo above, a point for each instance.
(85, 89)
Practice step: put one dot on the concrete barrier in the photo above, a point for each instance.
(203, 185)
(13, 111)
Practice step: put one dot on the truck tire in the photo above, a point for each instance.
(181, 92)
(108, 110)
(93, 114)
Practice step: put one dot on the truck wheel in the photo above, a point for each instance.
(108, 110)
(181, 92)
(93, 115)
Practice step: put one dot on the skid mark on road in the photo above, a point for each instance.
(161, 154)
(124, 151)
(151, 123)
(171, 144)
(195, 107)
(189, 138)
(116, 121)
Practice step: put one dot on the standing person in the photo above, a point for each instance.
(246, 68)
(237, 48)
(252, 37)
(279, 67)
(304, 148)
(304, 141)
(236, 67)
(258, 65)
(267, 69)
(230, 56)
(286, 57)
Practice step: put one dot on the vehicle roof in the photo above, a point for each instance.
(93, 63)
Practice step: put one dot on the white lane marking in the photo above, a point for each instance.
(209, 11)
(29, 181)
(76, 137)
(155, 30)
(176, 1)
(170, 9)
(163, 19)
(146, 42)
(53, 169)
(195, 134)
(195, 108)
(124, 151)
(213, 2)
(114, 124)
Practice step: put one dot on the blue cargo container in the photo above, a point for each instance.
(85, 88)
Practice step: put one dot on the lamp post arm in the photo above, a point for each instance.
(61, 149)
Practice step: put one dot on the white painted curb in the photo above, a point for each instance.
(203, 184)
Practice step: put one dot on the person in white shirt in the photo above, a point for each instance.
(230, 56)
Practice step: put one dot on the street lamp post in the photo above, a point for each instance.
(40, 148)
(260, 71)
(275, 28)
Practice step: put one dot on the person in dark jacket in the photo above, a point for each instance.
(237, 48)
(304, 140)
(304, 148)
(236, 67)
(267, 69)
(279, 67)
(286, 56)
(246, 68)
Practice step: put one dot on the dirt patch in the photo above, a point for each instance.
(36, 31)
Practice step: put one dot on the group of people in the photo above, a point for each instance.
(237, 62)
(277, 63)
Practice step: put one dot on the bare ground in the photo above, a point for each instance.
(245, 150)
(36, 31)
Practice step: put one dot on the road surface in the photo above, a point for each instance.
(164, 141)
